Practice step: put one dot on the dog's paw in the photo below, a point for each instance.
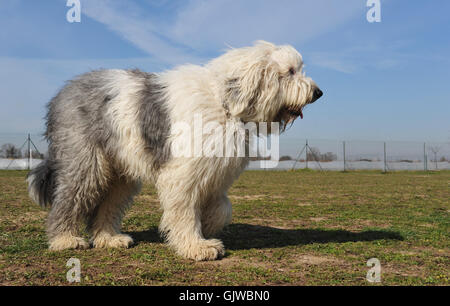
(67, 241)
(209, 249)
(112, 241)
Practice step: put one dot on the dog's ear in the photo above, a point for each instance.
(256, 82)
(242, 93)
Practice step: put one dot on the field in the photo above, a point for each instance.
(289, 228)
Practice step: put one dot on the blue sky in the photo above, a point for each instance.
(382, 81)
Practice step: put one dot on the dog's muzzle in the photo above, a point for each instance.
(317, 94)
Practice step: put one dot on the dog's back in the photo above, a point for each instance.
(102, 117)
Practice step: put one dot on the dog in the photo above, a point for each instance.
(110, 130)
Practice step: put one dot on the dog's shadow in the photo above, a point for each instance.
(246, 236)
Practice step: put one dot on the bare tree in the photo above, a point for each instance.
(35, 154)
(327, 157)
(315, 154)
(9, 150)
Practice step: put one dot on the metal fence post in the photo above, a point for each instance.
(385, 162)
(343, 146)
(29, 152)
(306, 154)
(424, 157)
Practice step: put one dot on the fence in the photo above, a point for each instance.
(21, 151)
(361, 155)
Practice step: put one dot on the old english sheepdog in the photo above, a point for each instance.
(111, 130)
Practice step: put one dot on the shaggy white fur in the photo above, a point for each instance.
(193, 191)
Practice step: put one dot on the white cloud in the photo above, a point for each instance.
(333, 62)
(127, 20)
(211, 24)
(208, 26)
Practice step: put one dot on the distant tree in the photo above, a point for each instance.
(314, 154)
(329, 156)
(36, 155)
(285, 157)
(9, 150)
(259, 158)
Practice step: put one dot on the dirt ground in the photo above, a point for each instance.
(289, 228)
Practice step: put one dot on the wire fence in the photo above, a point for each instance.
(21, 151)
(361, 155)
(25, 151)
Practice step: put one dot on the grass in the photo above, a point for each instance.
(289, 228)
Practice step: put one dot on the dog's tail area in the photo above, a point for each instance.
(41, 183)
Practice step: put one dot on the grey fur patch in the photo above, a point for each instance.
(81, 167)
(41, 183)
(82, 104)
(154, 118)
(233, 95)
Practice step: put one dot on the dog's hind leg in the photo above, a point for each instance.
(106, 220)
(216, 214)
(181, 198)
(80, 184)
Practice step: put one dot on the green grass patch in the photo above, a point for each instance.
(298, 227)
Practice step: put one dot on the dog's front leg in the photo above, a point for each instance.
(182, 230)
(216, 214)
(181, 220)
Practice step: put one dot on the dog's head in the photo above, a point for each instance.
(265, 83)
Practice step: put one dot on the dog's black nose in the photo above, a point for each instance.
(317, 94)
